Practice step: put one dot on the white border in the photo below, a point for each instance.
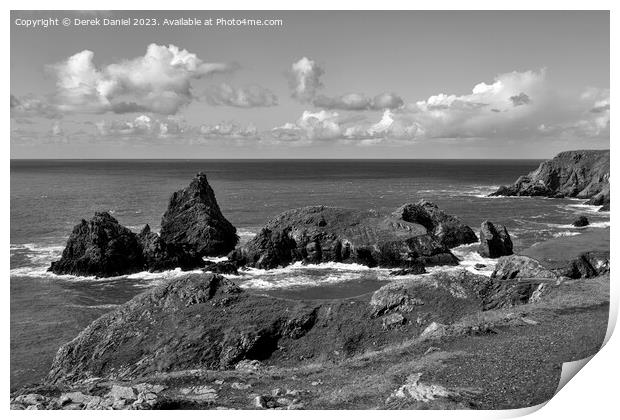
(593, 394)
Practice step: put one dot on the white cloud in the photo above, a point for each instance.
(305, 79)
(517, 105)
(228, 130)
(159, 81)
(30, 106)
(244, 97)
(141, 126)
(359, 102)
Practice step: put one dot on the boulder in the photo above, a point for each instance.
(321, 234)
(159, 256)
(194, 221)
(221, 267)
(586, 265)
(578, 173)
(517, 280)
(413, 270)
(449, 230)
(100, 247)
(494, 241)
(581, 221)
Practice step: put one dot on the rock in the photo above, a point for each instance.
(237, 385)
(159, 255)
(586, 265)
(416, 268)
(195, 222)
(578, 173)
(393, 321)
(494, 241)
(201, 393)
(248, 365)
(221, 326)
(271, 402)
(433, 331)
(221, 267)
(479, 266)
(449, 230)
(118, 392)
(322, 234)
(581, 221)
(100, 247)
(517, 280)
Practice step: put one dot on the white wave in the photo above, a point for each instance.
(298, 266)
(215, 259)
(582, 207)
(566, 233)
(468, 258)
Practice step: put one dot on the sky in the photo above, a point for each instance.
(323, 84)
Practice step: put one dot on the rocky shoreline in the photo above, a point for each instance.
(445, 339)
(579, 174)
(201, 342)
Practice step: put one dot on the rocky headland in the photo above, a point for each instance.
(449, 339)
(573, 174)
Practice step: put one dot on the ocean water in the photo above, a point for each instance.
(49, 197)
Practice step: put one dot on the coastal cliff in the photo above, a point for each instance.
(575, 174)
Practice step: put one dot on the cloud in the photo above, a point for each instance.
(305, 79)
(229, 130)
(520, 99)
(305, 84)
(31, 106)
(245, 97)
(141, 126)
(359, 102)
(159, 82)
(516, 105)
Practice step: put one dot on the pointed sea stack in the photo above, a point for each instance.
(195, 222)
(495, 241)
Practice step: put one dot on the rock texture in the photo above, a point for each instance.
(194, 221)
(579, 173)
(449, 230)
(206, 321)
(100, 247)
(586, 265)
(495, 241)
(517, 280)
(159, 255)
(319, 234)
(581, 221)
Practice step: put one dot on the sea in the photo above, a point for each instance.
(49, 197)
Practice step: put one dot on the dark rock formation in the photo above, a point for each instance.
(586, 265)
(100, 247)
(158, 255)
(494, 241)
(221, 267)
(579, 173)
(205, 321)
(194, 221)
(581, 221)
(449, 230)
(319, 234)
(414, 269)
(517, 280)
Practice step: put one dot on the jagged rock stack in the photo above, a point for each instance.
(494, 241)
(194, 221)
(192, 227)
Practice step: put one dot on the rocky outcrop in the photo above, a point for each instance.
(495, 241)
(579, 173)
(159, 255)
(449, 230)
(517, 280)
(581, 221)
(195, 222)
(586, 265)
(100, 247)
(320, 234)
(206, 321)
